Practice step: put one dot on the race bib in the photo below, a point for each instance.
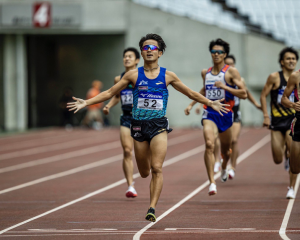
(214, 93)
(127, 97)
(280, 94)
(150, 101)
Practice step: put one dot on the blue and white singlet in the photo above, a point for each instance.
(150, 96)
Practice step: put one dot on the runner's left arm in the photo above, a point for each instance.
(291, 85)
(236, 79)
(172, 79)
(202, 91)
(250, 96)
(114, 101)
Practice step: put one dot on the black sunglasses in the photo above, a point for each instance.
(217, 51)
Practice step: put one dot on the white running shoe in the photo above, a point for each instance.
(287, 164)
(131, 193)
(217, 167)
(231, 173)
(224, 175)
(212, 190)
(290, 194)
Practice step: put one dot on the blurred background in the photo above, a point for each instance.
(51, 50)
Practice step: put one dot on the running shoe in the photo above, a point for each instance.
(217, 167)
(231, 173)
(151, 215)
(290, 194)
(224, 175)
(131, 193)
(212, 190)
(287, 164)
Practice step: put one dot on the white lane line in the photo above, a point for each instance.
(65, 173)
(52, 147)
(64, 156)
(137, 175)
(86, 151)
(33, 142)
(118, 157)
(282, 231)
(242, 157)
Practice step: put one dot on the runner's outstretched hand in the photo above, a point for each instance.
(79, 104)
(220, 107)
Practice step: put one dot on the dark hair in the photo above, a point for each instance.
(161, 44)
(284, 51)
(231, 56)
(131, 49)
(220, 42)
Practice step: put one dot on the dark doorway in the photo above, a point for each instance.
(59, 61)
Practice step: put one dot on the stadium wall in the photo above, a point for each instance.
(111, 26)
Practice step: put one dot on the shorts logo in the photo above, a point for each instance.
(143, 88)
(143, 82)
(161, 130)
(136, 128)
(137, 134)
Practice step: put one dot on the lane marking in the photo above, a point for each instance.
(64, 156)
(118, 183)
(33, 142)
(282, 230)
(65, 173)
(242, 157)
(118, 157)
(212, 229)
(85, 151)
(51, 147)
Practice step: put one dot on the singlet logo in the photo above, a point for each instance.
(143, 83)
(159, 83)
(150, 95)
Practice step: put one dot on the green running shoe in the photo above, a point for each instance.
(151, 215)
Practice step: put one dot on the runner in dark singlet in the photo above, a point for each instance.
(281, 117)
(131, 58)
(149, 126)
(293, 86)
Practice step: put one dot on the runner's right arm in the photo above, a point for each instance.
(115, 99)
(129, 77)
(202, 91)
(291, 85)
(263, 98)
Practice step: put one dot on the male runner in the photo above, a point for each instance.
(236, 126)
(219, 81)
(293, 85)
(149, 127)
(281, 117)
(131, 58)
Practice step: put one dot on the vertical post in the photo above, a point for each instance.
(21, 80)
(9, 77)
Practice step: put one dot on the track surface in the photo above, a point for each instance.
(252, 206)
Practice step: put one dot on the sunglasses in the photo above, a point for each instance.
(152, 47)
(217, 51)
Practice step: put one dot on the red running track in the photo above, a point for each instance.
(251, 206)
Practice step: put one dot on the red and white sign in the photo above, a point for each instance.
(42, 14)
